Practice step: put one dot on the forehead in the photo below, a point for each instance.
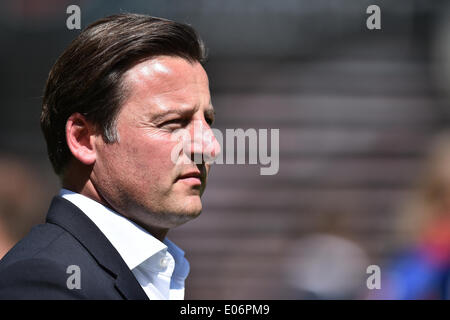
(164, 77)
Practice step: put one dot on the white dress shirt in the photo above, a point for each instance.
(159, 267)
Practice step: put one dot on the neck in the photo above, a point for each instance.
(77, 179)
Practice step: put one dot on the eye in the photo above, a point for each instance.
(209, 116)
(173, 122)
(209, 119)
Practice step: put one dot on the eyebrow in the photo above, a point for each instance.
(183, 112)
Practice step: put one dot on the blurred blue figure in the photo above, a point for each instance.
(421, 270)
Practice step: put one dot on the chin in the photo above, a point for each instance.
(193, 206)
(189, 208)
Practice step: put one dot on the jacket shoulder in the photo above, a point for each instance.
(37, 240)
(45, 263)
(37, 278)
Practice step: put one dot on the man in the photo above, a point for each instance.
(112, 103)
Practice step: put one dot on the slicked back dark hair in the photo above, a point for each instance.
(87, 77)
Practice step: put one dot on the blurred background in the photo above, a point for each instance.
(364, 176)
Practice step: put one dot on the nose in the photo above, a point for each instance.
(203, 147)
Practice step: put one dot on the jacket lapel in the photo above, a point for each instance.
(69, 217)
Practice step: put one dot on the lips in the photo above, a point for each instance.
(193, 177)
(193, 174)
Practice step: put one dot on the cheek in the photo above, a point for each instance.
(149, 158)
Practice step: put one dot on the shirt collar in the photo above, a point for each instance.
(182, 266)
(134, 244)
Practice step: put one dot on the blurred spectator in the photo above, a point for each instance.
(420, 270)
(21, 201)
(329, 263)
(326, 266)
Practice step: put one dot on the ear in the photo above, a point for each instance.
(80, 137)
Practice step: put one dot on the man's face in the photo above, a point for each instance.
(138, 175)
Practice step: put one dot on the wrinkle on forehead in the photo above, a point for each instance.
(148, 73)
(158, 73)
(165, 82)
(150, 68)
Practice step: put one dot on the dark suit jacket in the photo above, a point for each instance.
(37, 267)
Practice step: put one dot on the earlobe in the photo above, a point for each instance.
(80, 136)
